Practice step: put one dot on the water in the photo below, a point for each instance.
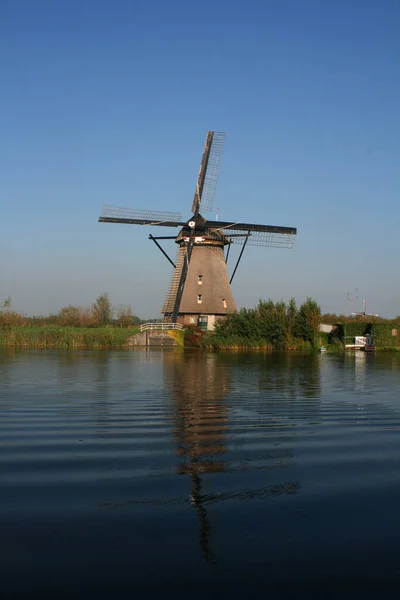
(178, 472)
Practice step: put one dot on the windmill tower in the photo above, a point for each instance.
(200, 291)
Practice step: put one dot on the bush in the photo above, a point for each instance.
(194, 336)
(308, 321)
(273, 325)
(382, 334)
(351, 329)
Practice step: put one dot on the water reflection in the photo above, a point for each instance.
(199, 384)
(360, 370)
(208, 417)
(291, 375)
(199, 387)
(264, 462)
(7, 358)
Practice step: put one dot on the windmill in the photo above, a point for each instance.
(200, 290)
(364, 312)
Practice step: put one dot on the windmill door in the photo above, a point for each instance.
(202, 322)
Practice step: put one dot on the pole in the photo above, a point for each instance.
(227, 253)
(162, 249)
(240, 256)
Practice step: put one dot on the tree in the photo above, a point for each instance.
(9, 317)
(291, 317)
(308, 320)
(6, 304)
(102, 310)
(279, 333)
(265, 316)
(124, 315)
(74, 316)
(69, 316)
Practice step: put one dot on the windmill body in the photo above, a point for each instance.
(206, 294)
(200, 291)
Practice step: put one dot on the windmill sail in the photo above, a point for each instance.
(258, 235)
(200, 285)
(209, 172)
(116, 214)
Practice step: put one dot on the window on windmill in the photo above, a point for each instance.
(200, 279)
(224, 303)
(199, 298)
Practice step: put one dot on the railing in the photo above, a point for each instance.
(161, 326)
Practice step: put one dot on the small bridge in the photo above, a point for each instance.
(156, 334)
(160, 326)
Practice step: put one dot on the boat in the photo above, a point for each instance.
(369, 348)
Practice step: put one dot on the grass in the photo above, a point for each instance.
(388, 348)
(178, 335)
(65, 337)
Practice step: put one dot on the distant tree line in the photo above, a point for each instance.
(101, 314)
(279, 324)
(334, 319)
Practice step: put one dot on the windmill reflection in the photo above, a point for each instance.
(225, 418)
(199, 384)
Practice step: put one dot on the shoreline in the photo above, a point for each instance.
(108, 338)
(65, 337)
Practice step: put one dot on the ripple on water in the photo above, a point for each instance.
(239, 471)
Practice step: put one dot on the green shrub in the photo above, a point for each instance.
(351, 329)
(382, 334)
(272, 325)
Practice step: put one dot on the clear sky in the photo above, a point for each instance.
(109, 101)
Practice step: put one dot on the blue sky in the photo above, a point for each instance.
(109, 102)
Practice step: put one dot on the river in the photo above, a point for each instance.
(179, 472)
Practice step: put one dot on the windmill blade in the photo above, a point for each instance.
(257, 235)
(209, 172)
(261, 238)
(237, 226)
(213, 170)
(116, 214)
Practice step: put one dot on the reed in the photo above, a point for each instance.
(65, 337)
(238, 343)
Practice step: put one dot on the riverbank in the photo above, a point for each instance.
(65, 337)
(110, 337)
(115, 337)
(215, 341)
